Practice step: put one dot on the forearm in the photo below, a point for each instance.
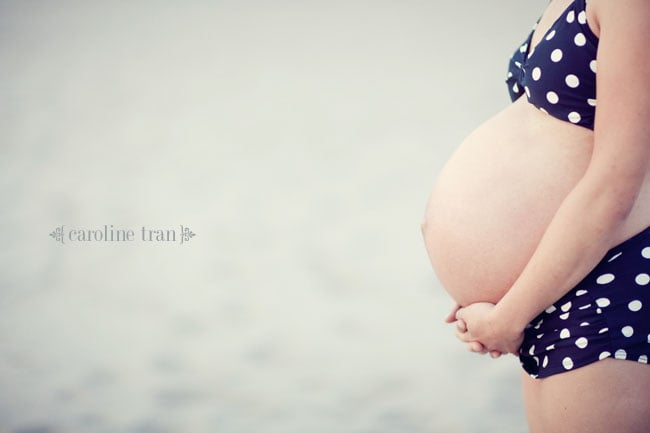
(581, 232)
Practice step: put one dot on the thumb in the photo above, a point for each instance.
(451, 317)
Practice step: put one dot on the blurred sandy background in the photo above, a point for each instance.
(298, 139)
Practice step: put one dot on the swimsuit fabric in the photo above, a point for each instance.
(606, 315)
(558, 75)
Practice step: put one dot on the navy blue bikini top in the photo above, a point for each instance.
(558, 76)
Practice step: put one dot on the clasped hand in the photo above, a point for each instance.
(482, 331)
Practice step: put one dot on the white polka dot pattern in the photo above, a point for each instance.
(537, 73)
(606, 315)
(642, 279)
(602, 302)
(572, 81)
(627, 331)
(605, 279)
(570, 17)
(635, 306)
(556, 55)
(582, 17)
(558, 74)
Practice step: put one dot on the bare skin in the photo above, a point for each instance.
(511, 205)
(604, 397)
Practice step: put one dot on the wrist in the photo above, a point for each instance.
(506, 317)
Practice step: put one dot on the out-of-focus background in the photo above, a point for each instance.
(298, 140)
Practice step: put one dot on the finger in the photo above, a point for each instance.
(476, 347)
(465, 337)
(451, 317)
(462, 333)
(460, 312)
(495, 354)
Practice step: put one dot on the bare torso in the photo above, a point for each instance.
(497, 194)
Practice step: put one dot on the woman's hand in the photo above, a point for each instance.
(461, 327)
(479, 323)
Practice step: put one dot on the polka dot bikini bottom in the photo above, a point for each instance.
(606, 315)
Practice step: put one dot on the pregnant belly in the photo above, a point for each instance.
(495, 197)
